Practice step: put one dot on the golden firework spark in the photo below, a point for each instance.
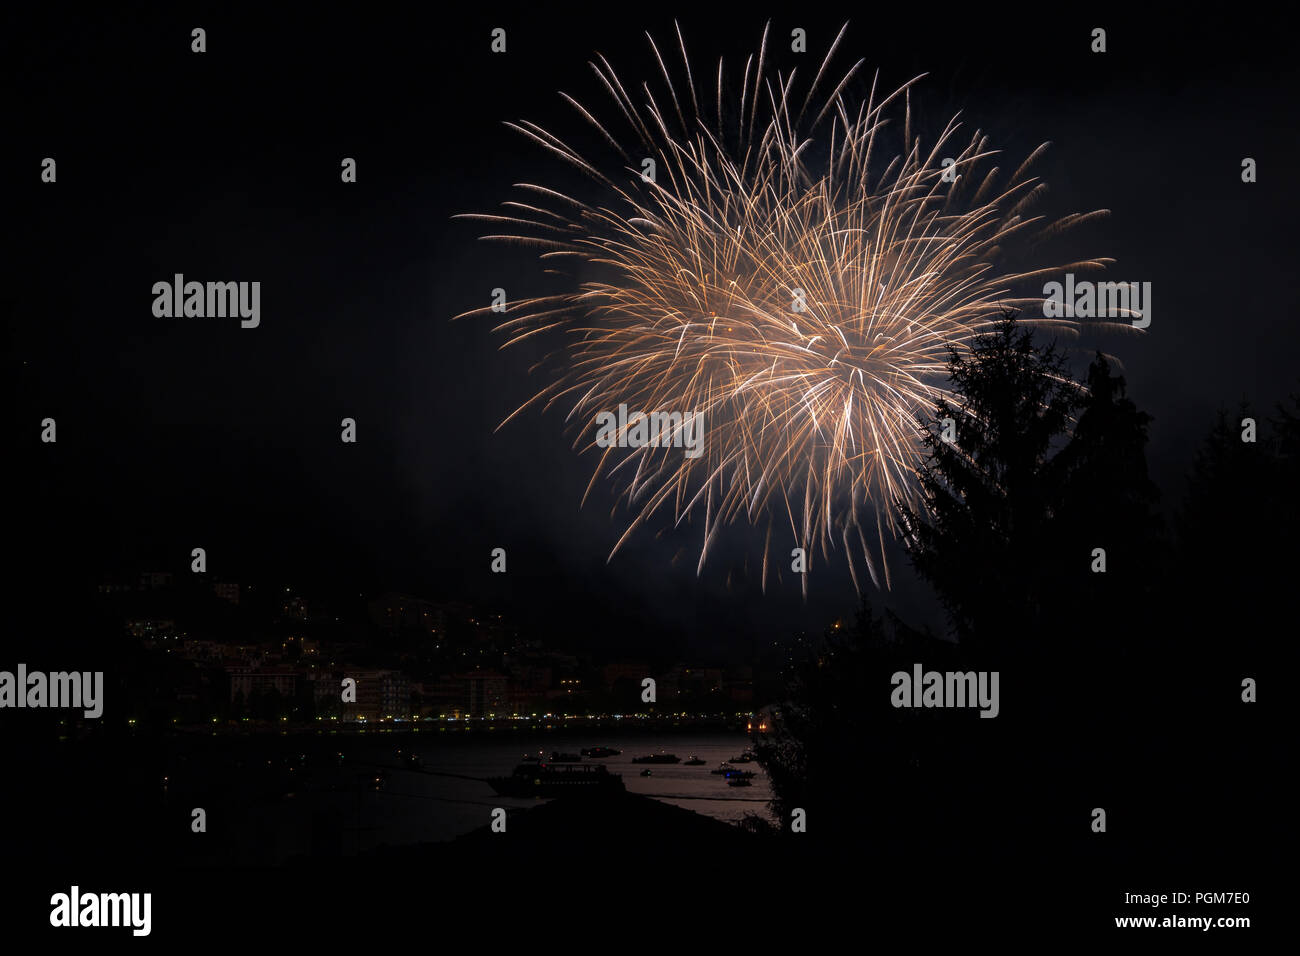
(800, 290)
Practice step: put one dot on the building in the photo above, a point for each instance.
(568, 687)
(147, 629)
(396, 612)
(293, 607)
(633, 671)
(738, 685)
(248, 680)
(156, 580)
(200, 650)
(326, 690)
(381, 695)
(488, 693)
(446, 696)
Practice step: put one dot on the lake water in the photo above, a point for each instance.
(333, 810)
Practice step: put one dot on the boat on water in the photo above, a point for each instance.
(723, 770)
(551, 780)
(658, 758)
(600, 752)
(647, 772)
(739, 782)
(740, 775)
(746, 757)
(557, 757)
(694, 761)
(410, 760)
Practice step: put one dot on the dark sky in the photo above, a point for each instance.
(225, 166)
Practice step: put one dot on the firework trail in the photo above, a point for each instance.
(767, 278)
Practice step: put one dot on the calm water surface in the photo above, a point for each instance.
(332, 809)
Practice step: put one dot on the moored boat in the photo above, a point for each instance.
(410, 760)
(658, 758)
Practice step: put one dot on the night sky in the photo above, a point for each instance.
(177, 433)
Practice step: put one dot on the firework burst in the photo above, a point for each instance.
(784, 274)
